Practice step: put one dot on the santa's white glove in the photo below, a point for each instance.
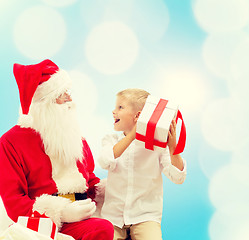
(78, 210)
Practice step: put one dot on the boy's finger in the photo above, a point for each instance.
(174, 123)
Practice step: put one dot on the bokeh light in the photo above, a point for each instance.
(211, 160)
(84, 93)
(228, 185)
(39, 32)
(229, 222)
(240, 155)
(218, 50)
(111, 48)
(224, 125)
(61, 3)
(221, 16)
(150, 27)
(95, 11)
(94, 128)
(238, 83)
(186, 87)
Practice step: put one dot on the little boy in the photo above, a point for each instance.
(134, 189)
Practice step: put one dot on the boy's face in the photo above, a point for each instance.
(124, 116)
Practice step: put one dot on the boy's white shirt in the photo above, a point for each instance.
(134, 189)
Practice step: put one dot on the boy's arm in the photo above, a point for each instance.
(121, 146)
(177, 161)
(174, 167)
(170, 171)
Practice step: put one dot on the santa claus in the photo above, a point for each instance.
(45, 164)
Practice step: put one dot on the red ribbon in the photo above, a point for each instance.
(33, 223)
(53, 231)
(182, 138)
(149, 140)
(157, 143)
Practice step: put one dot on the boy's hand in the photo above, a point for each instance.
(176, 160)
(172, 137)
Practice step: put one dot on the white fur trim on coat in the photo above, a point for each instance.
(68, 179)
(51, 206)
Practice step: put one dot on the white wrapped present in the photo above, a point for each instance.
(154, 123)
(40, 224)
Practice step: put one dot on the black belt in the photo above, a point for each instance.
(73, 196)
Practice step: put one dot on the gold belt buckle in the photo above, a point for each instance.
(70, 196)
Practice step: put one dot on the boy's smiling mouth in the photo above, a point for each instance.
(116, 120)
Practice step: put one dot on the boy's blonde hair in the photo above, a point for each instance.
(136, 97)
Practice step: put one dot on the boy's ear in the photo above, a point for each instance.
(137, 115)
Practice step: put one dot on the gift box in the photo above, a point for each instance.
(40, 224)
(154, 123)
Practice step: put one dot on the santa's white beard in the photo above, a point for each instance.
(59, 130)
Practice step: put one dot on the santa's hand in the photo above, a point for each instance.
(78, 210)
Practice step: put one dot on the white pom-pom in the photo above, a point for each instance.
(25, 121)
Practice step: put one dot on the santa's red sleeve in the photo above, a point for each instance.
(96, 186)
(13, 184)
(93, 180)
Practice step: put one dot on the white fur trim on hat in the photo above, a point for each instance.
(56, 85)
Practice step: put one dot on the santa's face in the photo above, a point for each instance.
(63, 98)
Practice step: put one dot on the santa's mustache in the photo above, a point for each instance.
(69, 105)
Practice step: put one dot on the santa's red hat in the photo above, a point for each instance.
(42, 81)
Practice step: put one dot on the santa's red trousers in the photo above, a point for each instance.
(90, 229)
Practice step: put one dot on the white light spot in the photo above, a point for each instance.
(150, 19)
(5, 4)
(60, 3)
(221, 15)
(185, 87)
(238, 82)
(224, 124)
(229, 186)
(84, 93)
(243, 232)
(94, 128)
(230, 222)
(39, 32)
(112, 48)
(95, 11)
(240, 155)
(211, 160)
(85, 96)
(217, 52)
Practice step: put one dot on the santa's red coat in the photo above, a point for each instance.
(26, 171)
